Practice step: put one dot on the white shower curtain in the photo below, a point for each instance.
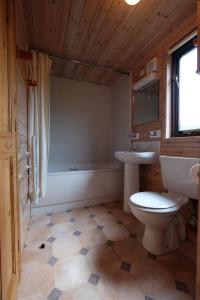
(39, 95)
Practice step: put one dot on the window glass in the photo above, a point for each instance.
(189, 92)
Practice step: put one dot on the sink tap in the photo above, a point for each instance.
(133, 148)
(145, 149)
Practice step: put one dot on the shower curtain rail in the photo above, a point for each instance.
(88, 64)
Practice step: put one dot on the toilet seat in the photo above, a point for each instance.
(155, 201)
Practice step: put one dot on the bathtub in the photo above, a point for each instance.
(76, 186)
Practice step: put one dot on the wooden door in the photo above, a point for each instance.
(9, 253)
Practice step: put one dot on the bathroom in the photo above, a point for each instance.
(100, 150)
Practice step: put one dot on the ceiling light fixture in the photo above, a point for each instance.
(132, 2)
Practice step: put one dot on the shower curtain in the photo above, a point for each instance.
(39, 94)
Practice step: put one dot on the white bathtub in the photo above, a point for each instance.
(75, 186)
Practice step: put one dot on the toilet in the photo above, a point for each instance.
(164, 225)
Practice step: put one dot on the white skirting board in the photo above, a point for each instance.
(61, 207)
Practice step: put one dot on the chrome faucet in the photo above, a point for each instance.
(133, 147)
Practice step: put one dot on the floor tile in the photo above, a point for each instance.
(85, 223)
(60, 218)
(94, 279)
(105, 219)
(181, 286)
(97, 210)
(54, 295)
(80, 213)
(40, 255)
(77, 233)
(71, 271)
(83, 251)
(33, 274)
(119, 286)
(52, 261)
(62, 229)
(51, 239)
(110, 243)
(92, 238)
(103, 261)
(99, 255)
(66, 246)
(115, 233)
(36, 237)
(129, 250)
(39, 221)
(125, 266)
(99, 227)
(82, 292)
(50, 224)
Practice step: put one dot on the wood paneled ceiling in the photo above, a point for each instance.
(101, 32)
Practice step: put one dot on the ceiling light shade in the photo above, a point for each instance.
(132, 2)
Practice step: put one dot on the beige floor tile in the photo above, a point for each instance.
(36, 279)
(82, 292)
(136, 228)
(130, 250)
(152, 278)
(71, 271)
(142, 276)
(62, 229)
(92, 238)
(36, 237)
(85, 223)
(106, 220)
(60, 217)
(127, 218)
(120, 286)
(189, 249)
(39, 221)
(97, 209)
(40, 255)
(114, 205)
(80, 213)
(180, 268)
(115, 233)
(66, 246)
(37, 296)
(103, 261)
(174, 295)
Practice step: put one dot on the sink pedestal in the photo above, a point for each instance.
(131, 183)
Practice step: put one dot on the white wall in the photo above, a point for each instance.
(80, 122)
(120, 108)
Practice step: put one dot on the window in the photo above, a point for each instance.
(185, 91)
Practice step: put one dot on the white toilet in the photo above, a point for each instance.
(164, 226)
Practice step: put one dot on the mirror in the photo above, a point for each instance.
(146, 104)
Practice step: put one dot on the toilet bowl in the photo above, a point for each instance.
(164, 228)
(164, 225)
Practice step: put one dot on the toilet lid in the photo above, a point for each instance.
(152, 200)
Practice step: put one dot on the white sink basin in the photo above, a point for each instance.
(136, 157)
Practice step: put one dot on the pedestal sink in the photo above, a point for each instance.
(131, 172)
